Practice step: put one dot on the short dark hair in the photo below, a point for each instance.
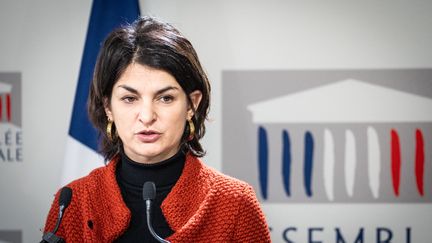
(156, 44)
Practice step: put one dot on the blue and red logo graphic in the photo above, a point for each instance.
(348, 141)
(5, 102)
(10, 118)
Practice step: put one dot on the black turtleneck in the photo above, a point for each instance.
(131, 177)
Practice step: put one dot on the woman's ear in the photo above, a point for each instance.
(195, 97)
(107, 109)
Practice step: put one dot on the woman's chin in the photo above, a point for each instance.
(150, 154)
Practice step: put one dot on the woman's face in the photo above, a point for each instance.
(149, 109)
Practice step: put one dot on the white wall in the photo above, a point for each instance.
(269, 35)
(44, 40)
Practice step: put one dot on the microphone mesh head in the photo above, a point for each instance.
(149, 190)
(65, 196)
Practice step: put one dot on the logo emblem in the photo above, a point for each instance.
(314, 137)
(10, 118)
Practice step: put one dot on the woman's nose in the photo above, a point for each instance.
(147, 113)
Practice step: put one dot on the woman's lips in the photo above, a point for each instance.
(148, 136)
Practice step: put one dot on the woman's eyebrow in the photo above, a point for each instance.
(166, 89)
(134, 91)
(128, 88)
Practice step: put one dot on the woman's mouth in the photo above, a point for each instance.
(148, 136)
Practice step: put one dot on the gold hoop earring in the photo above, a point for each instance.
(191, 130)
(109, 130)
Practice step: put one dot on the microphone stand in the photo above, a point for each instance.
(150, 227)
(51, 237)
(149, 194)
(64, 200)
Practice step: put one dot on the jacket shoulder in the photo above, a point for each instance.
(88, 180)
(226, 185)
(79, 188)
(87, 192)
(238, 199)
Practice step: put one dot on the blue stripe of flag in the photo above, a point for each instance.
(105, 16)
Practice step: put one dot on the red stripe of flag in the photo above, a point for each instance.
(419, 161)
(395, 161)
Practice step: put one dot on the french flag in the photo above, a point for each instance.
(81, 154)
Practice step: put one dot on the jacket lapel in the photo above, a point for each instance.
(115, 214)
(182, 204)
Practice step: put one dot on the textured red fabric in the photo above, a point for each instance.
(203, 206)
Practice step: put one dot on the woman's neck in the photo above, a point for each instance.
(162, 173)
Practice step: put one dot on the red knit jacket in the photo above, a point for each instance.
(203, 206)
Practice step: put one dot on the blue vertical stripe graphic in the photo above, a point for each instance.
(286, 162)
(263, 160)
(308, 162)
(105, 16)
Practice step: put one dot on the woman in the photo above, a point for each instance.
(149, 100)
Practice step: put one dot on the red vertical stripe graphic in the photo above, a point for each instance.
(419, 161)
(8, 107)
(1, 109)
(395, 161)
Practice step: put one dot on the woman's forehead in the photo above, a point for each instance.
(139, 76)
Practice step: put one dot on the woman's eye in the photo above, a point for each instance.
(128, 99)
(166, 98)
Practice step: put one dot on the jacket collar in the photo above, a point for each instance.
(185, 198)
(116, 215)
(179, 207)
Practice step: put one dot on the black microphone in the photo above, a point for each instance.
(149, 194)
(64, 201)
